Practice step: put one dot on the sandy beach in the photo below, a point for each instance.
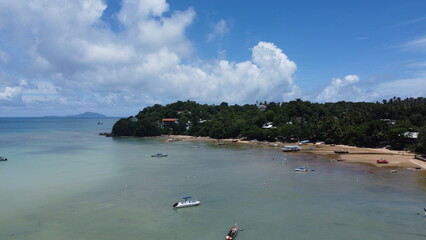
(396, 159)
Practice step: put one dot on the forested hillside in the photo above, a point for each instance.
(391, 123)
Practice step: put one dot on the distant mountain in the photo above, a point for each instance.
(87, 115)
(82, 115)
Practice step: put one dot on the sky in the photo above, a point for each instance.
(115, 57)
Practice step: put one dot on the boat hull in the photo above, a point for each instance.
(186, 204)
(232, 234)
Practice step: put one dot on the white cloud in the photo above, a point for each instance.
(409, 22)
(411, 87)
(70, 58)
(12, 96)
(341, 89)
(4, 57)
(219, 30)
(418, 44)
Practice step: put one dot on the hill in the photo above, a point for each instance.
(82, 115)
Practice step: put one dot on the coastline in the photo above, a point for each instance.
(396, 159)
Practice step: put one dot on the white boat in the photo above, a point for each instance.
(301, 169)
(291, 148)
(186, 203)
(3, 159)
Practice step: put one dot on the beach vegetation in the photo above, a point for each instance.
(363, 124)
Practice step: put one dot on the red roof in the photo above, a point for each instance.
(169, 119)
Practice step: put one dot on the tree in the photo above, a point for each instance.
(420, 144)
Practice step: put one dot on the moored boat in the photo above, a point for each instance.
(291, 148)
(186, 203)
(232, 233)
(301, 169)
(159, 155)
(341, 151)
(382, 161)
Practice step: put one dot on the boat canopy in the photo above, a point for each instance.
(186, 198)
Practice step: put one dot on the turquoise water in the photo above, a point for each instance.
(64, 181)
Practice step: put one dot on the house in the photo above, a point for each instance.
(267, 125)
(411, 135)
(389, 121)
(168, 122)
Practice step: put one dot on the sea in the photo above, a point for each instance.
(63, 181)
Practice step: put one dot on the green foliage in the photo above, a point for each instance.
(420, 145)
(353, 123)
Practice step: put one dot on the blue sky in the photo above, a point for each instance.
(63, 57)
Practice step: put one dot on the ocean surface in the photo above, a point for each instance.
(63, 181)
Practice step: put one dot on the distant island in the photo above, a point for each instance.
(82, 115)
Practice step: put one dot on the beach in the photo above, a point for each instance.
(396, 159)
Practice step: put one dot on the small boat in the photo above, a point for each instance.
(159, 155)
(341, 151)
(233, 231)
(291, 148)
(301, 169)
(3, 159)
(382, 161)
(186, 203)
(195, 146)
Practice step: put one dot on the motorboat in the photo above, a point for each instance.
(159, 155)
(232, 234)
(291, 148)
(3, 159)
(301, 169)
(382, 161)
(187, 203)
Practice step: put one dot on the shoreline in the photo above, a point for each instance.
(398, 159)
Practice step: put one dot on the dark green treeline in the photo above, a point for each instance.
(363, 124)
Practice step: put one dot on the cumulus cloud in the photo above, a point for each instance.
(219, 30)
(69, 58)
(341, 89)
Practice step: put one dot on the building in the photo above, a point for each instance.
(268, 125)
(168, 122)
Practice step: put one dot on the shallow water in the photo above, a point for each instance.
(63, 181)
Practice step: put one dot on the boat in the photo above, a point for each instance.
(341, 151)
(186, 203)
(195, 147)
(3, 159)
(382, 161)
(233, 231)
(301, 169)
(159, 155)
(291, 148)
